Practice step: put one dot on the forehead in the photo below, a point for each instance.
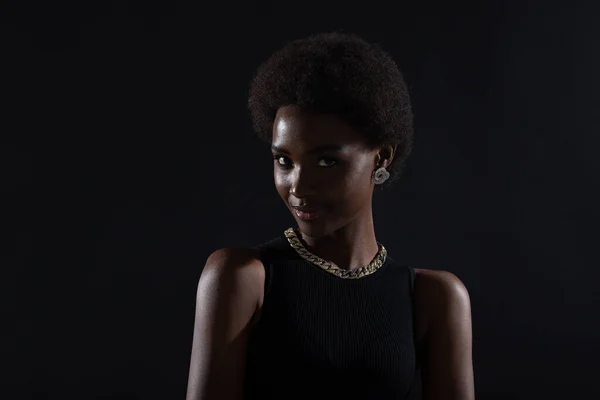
(297, 128)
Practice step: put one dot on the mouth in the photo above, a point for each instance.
(307, 213)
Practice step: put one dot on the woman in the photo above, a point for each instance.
(322, 311)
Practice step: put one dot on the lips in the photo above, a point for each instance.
(307, 213)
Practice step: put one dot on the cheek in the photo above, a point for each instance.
(281, 183)
(354, 189)
(357, 181)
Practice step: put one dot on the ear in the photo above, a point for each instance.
(385, 155)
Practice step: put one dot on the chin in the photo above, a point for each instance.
(314, 229)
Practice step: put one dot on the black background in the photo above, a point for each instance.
(131, 158)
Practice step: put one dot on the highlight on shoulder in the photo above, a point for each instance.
(232, 258)
(229, 294)
(237, 268)
(442, 283)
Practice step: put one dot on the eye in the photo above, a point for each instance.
(327, 162)
(282, 161)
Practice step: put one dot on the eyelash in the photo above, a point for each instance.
(277, 157)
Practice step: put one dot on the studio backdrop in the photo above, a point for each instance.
(133, 118)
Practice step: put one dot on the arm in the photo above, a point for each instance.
(228, 294)
(447, 344)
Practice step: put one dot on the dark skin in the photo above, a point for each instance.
(325, 162)
(337, 182)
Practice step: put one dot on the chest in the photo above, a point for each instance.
(319, 327)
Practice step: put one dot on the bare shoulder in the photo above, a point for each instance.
(234, 263)
(440, 283)
(229, 294)
(232, 257)
(445, 335)
(439, 296)
(236, 274)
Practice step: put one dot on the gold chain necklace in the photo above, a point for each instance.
(330, 267)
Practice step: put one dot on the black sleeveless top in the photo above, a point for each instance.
(321, 336)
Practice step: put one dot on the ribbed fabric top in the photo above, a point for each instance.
(323, 336)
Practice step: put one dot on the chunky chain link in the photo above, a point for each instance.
(330, 267)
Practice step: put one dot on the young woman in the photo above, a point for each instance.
(322, 311)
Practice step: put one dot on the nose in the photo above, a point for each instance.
(303, 184)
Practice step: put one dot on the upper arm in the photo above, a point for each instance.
(447, 344)
(226, 299)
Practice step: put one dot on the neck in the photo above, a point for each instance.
(350, 247)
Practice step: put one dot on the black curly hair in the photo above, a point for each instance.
(342, 74)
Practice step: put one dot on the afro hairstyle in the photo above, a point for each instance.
(342, 74)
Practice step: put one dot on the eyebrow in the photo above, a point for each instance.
(318, 149)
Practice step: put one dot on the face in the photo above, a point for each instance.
(324, 162)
